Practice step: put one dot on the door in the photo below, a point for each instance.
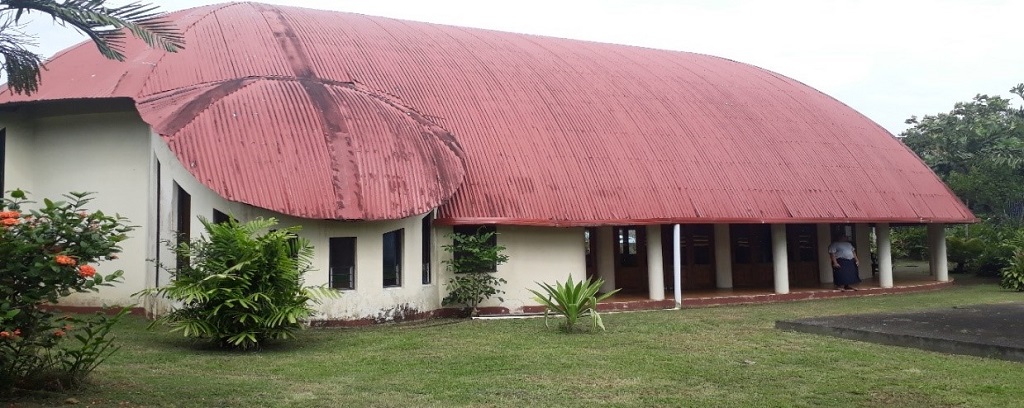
(631, 258)
(697, 256)
(801, 247)
(752, 256)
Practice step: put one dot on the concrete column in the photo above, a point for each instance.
(884, 255)
(723, 257)
(824, 260)
(939, 263)
(655, 267)
(606, 257)
(863, 245)
(780, 258)
(677, 267)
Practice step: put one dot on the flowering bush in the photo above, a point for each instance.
(47, 254)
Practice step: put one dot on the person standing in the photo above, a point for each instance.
(844, 263)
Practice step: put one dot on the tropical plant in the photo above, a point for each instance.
(106, 26)
(47, 254)
(572, 300)
(474, 258)
(1013, 274)
(242, 286)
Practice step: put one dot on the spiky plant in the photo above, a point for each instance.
(106, 26)
(572, 300)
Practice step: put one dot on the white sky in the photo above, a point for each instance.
(889, 59)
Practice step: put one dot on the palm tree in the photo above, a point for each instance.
(106, 26)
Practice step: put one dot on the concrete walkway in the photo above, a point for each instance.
(994, 331)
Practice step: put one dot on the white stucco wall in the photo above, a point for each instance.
(536, 254)
(369, 299)
(106, 153)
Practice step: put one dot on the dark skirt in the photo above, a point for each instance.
(846, 273)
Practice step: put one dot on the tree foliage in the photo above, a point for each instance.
(106, 26)
(978, 150)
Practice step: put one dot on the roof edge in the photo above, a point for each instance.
(529, 222)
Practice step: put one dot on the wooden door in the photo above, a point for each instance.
(697, 256)
(801, 248)
(752, 256)
(631, 258)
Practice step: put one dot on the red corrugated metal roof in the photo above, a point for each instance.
(323, 114)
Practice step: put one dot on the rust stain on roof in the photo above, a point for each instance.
(331, 115)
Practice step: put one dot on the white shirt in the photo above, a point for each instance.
(842, 250)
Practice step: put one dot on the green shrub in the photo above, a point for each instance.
(473, 259)
(243, 286)
(1013, 274)
(910, 243)
(47, 254)
(572, 300)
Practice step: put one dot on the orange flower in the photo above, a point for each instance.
(4, 334)
(65, 260)
(9, 214)
(86, 271)
(10, 222)
(17, 332)
(58, 333)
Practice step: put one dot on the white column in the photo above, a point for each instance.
(780, 258)
(606, 257)
(655, 267)
(863, 244)
(723, 257)
(938, 250)
(884, 255)
(677, 267)
(824, 260)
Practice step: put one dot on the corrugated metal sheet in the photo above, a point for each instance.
(332, 115)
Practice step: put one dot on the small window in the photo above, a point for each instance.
(184, 221)
(427, 247)
(627, 244)
(393, 258)
(478, 229)
(3, 154)
(342, 261)
(219, 217)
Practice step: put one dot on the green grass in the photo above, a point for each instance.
(723, 356)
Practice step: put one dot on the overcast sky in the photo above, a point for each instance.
(889, 59)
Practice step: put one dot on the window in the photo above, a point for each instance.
(184, 224)
(627, 245)
(219, 217)
(426, 230)
(589, 242)
(478, 229)
(393, 258)
(342, 261)
(3, 154)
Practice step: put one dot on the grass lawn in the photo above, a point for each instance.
(723, 356)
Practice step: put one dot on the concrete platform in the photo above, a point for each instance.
(993, 331)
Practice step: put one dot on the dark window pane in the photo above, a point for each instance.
(393, 258)
(219, 217)
(3, 155)
(740, 236)
(763, 234)
(427, 247)
(342, 263)
(184, 229)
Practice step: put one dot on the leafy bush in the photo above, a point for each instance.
(1013, 274)
(473, 259)
(241, 288)
(572, 300)
(48, 254)
(910, 243)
